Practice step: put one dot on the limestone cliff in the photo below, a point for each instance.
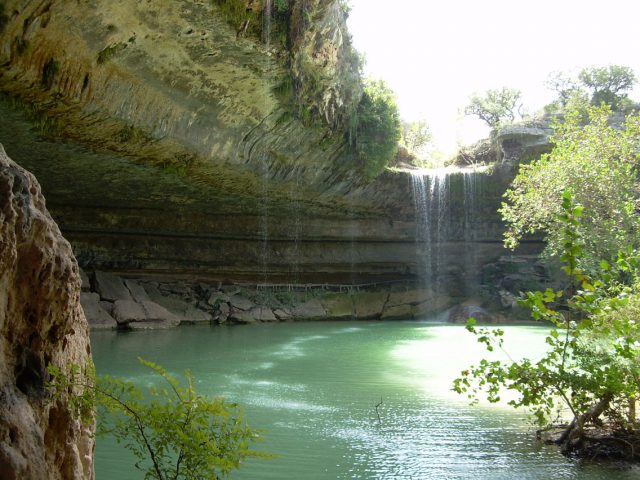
(41, 322)
(171, 141)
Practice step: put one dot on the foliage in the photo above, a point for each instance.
(416, 135)
(110, 51)
(495, 107)
(586, 376)
(174, 432)
(375, 128)
(598, 163)
(609, 85)
(248, 18)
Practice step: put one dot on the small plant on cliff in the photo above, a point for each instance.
(174, 432)
(591, 367)
(375, 128)
(496, 107)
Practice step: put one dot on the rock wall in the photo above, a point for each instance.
(167, 144)
(41, 322)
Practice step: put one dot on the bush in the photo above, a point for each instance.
(174, 432)
(598, 163)
(375, 128)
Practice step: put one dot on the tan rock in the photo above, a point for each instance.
(310, 310)
(369, 305)
(98, 317)
(263, 314)
(339, 306)
(41, 322)
(398, 312)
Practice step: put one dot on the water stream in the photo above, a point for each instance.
(313, 387)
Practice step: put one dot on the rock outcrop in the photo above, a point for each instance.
(41, 323)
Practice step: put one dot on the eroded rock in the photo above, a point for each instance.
(41, 322)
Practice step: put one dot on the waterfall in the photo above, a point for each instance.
(445, 205)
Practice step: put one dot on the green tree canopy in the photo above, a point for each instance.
(376, 130)
(416, 135)
(598, 163)
(495, 107)
(609, 85)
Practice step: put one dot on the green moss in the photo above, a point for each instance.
(110, 51)
(49, 72)
(43, 123)
(247, 20)
(129, 133)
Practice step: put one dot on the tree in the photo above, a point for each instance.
(564, 85)
(495, 107)
(608, 85)
(174, 432)
(375, 128)
(599, 164)
(591, 366)
(416, 135)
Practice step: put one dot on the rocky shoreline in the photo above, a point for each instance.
(113, 302)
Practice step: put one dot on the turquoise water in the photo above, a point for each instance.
(313, 388)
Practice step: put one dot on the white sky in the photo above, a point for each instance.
(435, 54)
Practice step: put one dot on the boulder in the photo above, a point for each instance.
(437, 304)
(411, 297)
(127, 311)
(223, 312)
(106, 306)
(137, 291)
(240, 316)
(41, 323)
(111, 287)
(157, 317)
(282, 314)
(263, 314)
(241, 303)
(369, 305)
(397, 312)
(310, 310)
(98, 317)
(338, 306)
(185, 311)
(215, 298)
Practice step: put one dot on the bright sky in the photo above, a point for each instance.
(435, 54)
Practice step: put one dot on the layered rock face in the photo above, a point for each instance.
(168, 145)
(41, 323)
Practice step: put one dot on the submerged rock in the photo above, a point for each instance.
(41, 322)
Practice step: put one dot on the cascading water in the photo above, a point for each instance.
(445, 221)
(266, 23)
(266, 35)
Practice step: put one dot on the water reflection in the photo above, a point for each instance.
(318, 405)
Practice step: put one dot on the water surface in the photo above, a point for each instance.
(313, 388)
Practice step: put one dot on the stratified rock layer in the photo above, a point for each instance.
(41, 322)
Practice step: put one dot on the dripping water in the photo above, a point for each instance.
(266, 23)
